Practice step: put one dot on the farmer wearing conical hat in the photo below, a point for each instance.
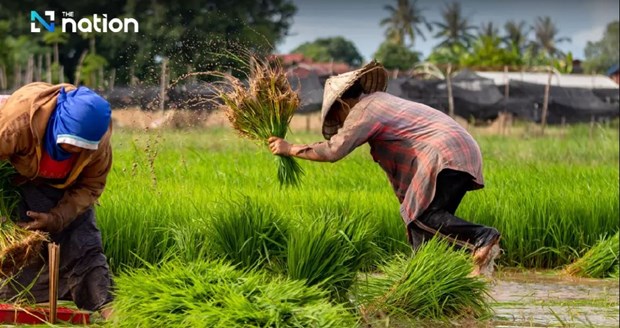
(430, 160)
(57, 137)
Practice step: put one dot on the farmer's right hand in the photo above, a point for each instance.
(279, 146)
(42, 221)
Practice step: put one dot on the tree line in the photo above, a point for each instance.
(193, 35)
(516, 44)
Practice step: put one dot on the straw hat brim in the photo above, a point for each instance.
(373, 77)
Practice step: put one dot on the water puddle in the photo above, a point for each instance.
(543, 299)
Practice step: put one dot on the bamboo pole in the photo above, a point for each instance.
(546, 103)
(48, 64)
(112, 79)
(3, 81)
(506, 96)
(29, 76)
(53, 251)
(162, 91)
(450, 98)
(78, 70)
(39, 70)
(17, 73)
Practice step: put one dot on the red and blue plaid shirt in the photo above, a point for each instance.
(412, 142)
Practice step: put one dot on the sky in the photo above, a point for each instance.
(358, 20)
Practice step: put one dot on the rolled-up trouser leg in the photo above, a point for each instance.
(439, 219)
(83, 274)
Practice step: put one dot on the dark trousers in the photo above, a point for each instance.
(84, 276)
(439, 219)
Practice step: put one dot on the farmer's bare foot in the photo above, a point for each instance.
(106, 313)
(484, 259)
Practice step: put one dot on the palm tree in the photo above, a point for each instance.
(404, 21)
(454, 29)
(55, 38)
(516, 34)
(546, 33)
(488, 30)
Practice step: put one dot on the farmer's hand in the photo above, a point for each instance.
(42, 221)
(279, 146)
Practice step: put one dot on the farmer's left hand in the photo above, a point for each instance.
(279, 146)
(42, 221)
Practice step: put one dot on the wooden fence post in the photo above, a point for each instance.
(449, 85)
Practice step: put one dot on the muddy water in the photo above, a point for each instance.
(542, 299)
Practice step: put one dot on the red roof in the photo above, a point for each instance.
(299, 65)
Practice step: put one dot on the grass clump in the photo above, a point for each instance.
(433, 284)
(18, 246)
(330, 250)
(215, 294)
(248, 234)
(601, 261)
(263, 109)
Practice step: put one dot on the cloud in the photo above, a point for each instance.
(593, 34)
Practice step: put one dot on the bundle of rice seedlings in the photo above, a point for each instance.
(215, 294)
(601, 261)
(18, 246)
(263, 109)
(248, 234)
(432, 284)
(329, 251)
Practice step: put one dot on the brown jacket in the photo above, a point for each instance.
(23, 120)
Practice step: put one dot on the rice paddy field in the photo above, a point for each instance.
(199, 233)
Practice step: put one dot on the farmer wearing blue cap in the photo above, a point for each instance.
(57, 137)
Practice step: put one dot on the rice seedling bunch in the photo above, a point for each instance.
(215, 294)
(248, 234)
(432, 284)
(18, 246)
(329, 251)
(263, 109)
(601, 261)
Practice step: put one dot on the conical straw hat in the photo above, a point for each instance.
(373, 77)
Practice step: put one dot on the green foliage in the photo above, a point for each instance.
(394, 56)
(8, 194)
(564, 65)
(329, 250)
(247, 234)
(530, 193)
(454, 28)
(601, 261)
(192, 34)
(214, 294)
(447, 54)
(602, 54)
(546, 38)
(89, 75)
(434, 283)
(403, 22)
(488, 54)
(337, 49)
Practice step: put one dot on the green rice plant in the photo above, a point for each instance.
(551, 198)
(248, 234)
(434, 283)
(263, 109)
(601, 261)
(215, 294)
(329, 250)
(18, 246)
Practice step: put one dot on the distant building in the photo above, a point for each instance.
(614, 73)
(577, 69)
(302, 66)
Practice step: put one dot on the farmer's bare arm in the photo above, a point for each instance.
(356, 130)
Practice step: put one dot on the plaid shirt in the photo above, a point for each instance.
(411, 142)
